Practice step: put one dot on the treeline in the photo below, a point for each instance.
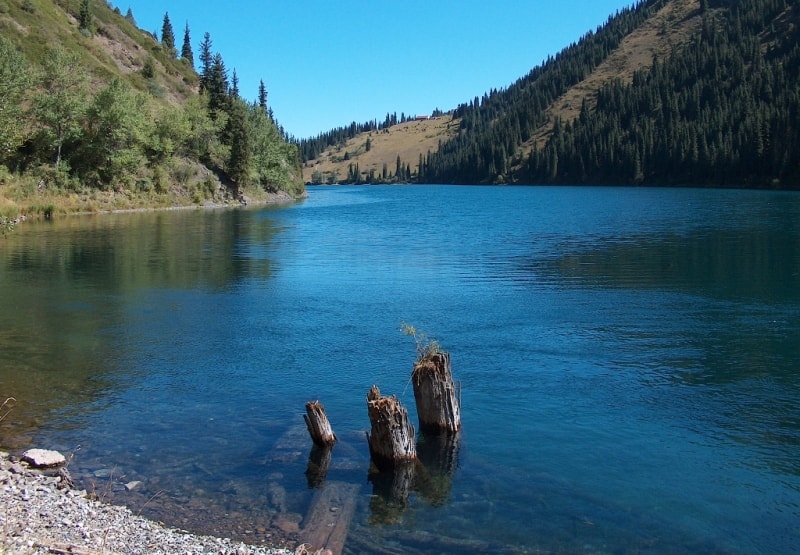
(724, 111)
(62, 128)
(311, 148)
(495, 126)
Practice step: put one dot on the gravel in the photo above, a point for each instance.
(40, 513)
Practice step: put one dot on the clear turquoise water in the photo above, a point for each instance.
(629, 360)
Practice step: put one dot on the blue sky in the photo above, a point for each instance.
(326, 64)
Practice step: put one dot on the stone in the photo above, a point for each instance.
(43, 458)
(130, 486)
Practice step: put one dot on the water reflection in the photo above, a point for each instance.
(66, 284)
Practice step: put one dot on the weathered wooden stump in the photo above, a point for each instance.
(438, 405)
(318, 426)
(391, 439)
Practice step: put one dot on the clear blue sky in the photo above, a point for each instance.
(328, 63)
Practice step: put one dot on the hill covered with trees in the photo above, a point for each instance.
(96, 113)
(666, 92)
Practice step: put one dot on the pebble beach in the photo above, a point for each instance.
(41, 513)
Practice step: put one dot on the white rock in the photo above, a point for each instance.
(130, 486)
(42, 458)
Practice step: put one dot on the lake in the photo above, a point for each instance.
(629, 362)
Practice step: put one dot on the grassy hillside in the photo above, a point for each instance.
(106, 117)
(407, 140)
(115, 48)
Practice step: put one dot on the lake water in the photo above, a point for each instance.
(629, 362)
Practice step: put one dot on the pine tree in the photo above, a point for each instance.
(129, 16)
(85, 16)
(239, 162)
(167, 34)
(234, 85)
(206, 57)
(186, 51)
(262, 95)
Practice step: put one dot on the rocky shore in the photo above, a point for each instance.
(41, 513)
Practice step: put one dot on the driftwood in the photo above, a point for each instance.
(438, 405)
(318, 426)
(326, 524)
(391, 439)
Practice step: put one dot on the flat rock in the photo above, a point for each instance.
(43, 458)
(130, 486)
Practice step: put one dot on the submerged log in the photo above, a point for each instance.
(391, 439)
(318, 426)
(438, 405)
(328, 520)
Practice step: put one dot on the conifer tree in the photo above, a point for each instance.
(238, 167)
(85, 16)
(129, 16)
(186, 51)
(262, 95)
(167, 34)
(206, 57)
(234, 84)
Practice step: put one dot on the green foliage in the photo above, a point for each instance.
(167, 34)
(186, 51)
(85, 17)
(14, 81)
(114, 135)
(240, 159)
(118, 128)
(61, 102)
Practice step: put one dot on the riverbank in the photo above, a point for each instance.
(41, 514)
(21, 199)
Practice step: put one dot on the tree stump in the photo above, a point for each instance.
(391, 439)
(318, 426)
(438, 406)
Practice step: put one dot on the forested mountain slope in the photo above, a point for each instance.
(667, 92)
(94, 110)
(720, 109)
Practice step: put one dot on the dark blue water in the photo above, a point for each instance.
(629, 362)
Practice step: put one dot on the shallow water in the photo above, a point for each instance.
(628, 361)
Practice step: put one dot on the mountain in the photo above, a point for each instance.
(96, 113)
(667, 92)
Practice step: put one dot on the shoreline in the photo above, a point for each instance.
(41, 513)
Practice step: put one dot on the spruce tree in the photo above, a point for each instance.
(85, 16)
(262, 95)
(206, 57)
(234, 85)
(186, 51)
(129, 16)
(167, 34)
